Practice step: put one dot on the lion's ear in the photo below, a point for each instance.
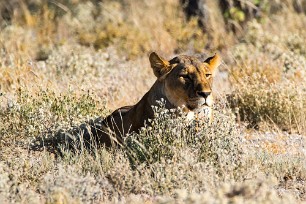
(213, 62)
(159, 65)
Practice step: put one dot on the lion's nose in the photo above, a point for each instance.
(203, 94)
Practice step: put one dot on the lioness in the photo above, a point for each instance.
(184, 81)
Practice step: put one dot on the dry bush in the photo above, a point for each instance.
(281, 104)
(210, 142)
(269, 83)
(34, 114)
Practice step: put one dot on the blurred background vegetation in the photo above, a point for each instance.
(137, 27)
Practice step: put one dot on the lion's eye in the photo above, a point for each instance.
(208, 75)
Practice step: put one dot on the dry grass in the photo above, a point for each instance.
(269, 84)
(65, 62)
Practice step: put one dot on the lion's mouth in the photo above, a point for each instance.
(198, 103)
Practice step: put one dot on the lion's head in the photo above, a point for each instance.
(187, 81)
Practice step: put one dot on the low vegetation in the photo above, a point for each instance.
(63, 63)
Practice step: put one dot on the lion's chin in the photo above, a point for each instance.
(197, 105)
